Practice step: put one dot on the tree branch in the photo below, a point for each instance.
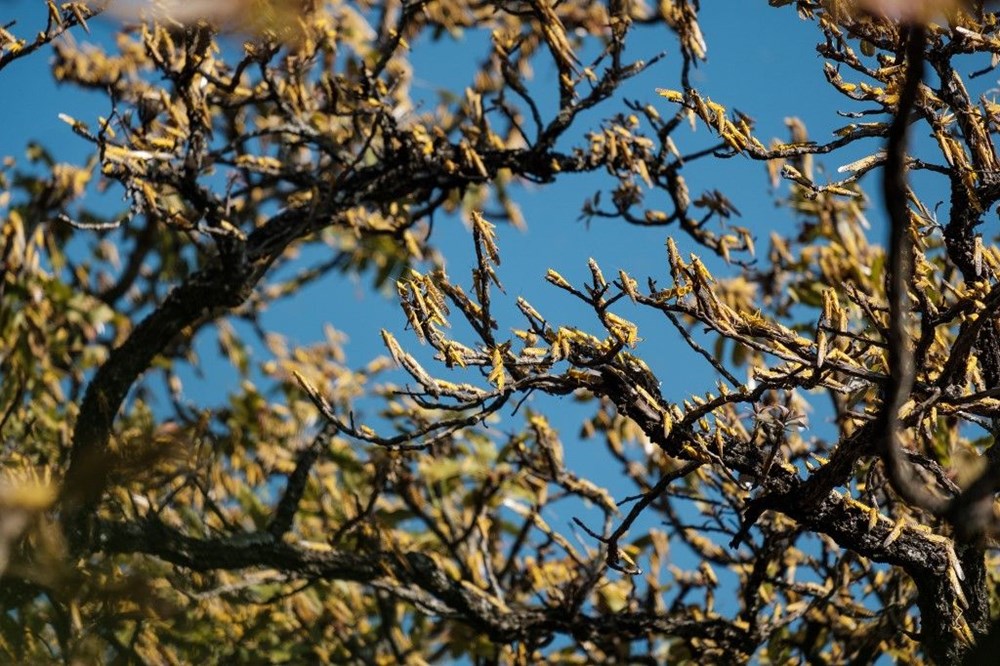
(900, 253)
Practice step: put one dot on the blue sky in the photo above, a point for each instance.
(769, 78)
(761, 61)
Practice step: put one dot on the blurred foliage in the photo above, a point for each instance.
(404, 512)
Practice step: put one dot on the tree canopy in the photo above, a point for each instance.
(415, 507)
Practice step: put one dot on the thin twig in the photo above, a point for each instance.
(614, 554)
(717, 364)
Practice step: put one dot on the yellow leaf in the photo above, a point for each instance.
(672, 95)
(497, 376)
